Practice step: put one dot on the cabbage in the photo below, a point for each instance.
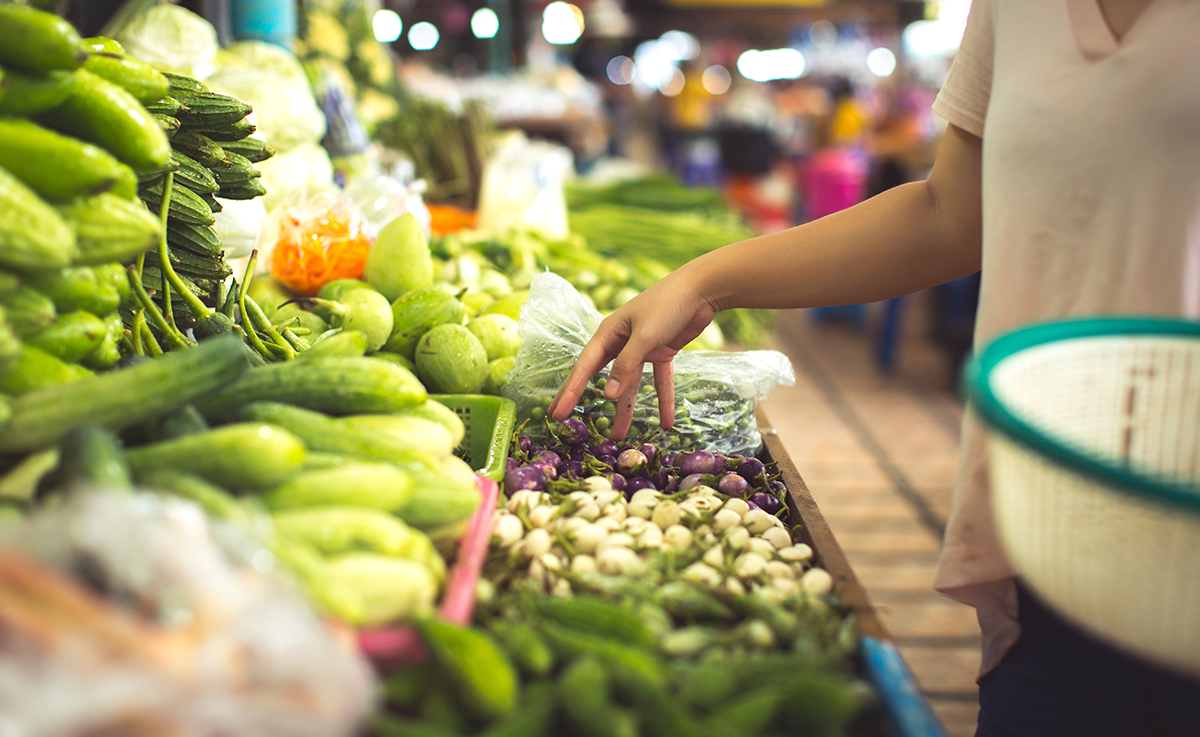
(173, 39)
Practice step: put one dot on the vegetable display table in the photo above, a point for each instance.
(907, 713)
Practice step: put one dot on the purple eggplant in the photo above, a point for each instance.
(524, 477)
(571, 470)
(636, 484)
(549, 470)
(750, 468)
(649, 450)
(548, 456)
(702, 461)
(778, 487)
(631, 462)
(617, 481)
(605, 448)
(734, 485)
(768, 503)
(524, 443)
(572, 431)
(691, 481)
(510, 464)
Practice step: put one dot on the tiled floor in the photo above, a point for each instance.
(877, 452)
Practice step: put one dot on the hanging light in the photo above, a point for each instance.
(423, 36)
(485, 23)
(562, 23)
(387, 26)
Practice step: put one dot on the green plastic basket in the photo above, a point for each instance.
(489, 424)
(1094, 463)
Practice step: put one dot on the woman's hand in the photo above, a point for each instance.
(650, 328)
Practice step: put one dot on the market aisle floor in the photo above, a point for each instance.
(878, 453)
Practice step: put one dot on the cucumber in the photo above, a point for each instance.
(479, 669)
(110, 229)
(323, 433)
(36, 369)
(71, 337)
(426, 435)
(32, 234)
(331, 384)
(240, 456)
(335, 530)
(437, 411)
(323, 588)
(379, 485)
(10, 353)
(136, 77)
(99, 111)
(38, 41)
(119, 399)
(336, 342)
(77, 288)
(28, 311)
(445, 503)
(108, 353)
(390, 589)
(89, 456)
(30, 93)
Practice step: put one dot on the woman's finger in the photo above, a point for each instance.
(664, 387)
(625, 404)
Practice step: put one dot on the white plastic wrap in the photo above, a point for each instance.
(133, 614)
(715, 391)
(522, 188)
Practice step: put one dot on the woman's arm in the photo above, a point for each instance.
(908, 238)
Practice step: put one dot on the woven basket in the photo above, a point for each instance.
(1094, 458)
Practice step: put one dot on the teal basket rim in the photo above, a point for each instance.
(977, 380)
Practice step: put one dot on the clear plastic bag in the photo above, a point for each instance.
(314, 237)
(715, 391)
(134, 614)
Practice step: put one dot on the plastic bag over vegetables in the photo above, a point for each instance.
(314, 237)
(133, 614)
(715, 391)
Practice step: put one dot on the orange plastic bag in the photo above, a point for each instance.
(314, 237)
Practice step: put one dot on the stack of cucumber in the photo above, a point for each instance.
(212, 155)
(72, 143)
(343, 465)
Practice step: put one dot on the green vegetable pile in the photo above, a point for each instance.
(691, 612)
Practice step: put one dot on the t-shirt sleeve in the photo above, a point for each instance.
(963, 99)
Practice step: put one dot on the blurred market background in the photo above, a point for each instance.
(610, 141)
(650, 131)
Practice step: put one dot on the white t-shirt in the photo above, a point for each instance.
(1091, 206)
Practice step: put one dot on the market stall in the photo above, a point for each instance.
(274, 449)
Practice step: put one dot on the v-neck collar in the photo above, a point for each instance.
(1093, 36)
